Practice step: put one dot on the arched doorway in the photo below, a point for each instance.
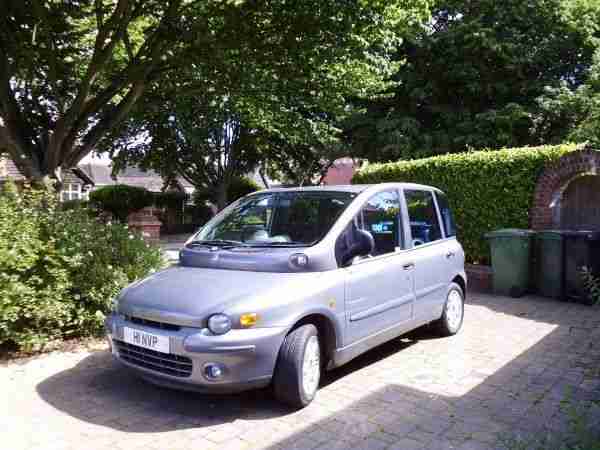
(567, 194)
(580, 204)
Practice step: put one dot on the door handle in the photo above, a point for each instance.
(408, 266)
(450, 255)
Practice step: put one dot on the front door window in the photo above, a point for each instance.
(422, 214)
(381, 217)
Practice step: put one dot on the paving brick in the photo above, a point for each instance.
(505, 374)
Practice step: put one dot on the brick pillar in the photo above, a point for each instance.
(146, 223)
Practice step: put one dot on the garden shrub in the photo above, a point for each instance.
(487, 189)
(74, 204)
(121, 200)
(60, 269)
(170, 199)
(592, 284)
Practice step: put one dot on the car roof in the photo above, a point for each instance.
(354, 188)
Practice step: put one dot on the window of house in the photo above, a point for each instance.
(422, 214)
(447, 220)
(73, 191)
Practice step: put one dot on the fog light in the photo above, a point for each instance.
(213, 371)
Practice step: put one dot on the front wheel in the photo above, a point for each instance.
(452, 318)
(298, 369)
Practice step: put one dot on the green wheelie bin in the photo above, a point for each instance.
(511, 250)
(549, 263)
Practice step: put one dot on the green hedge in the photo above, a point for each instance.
(487, 190)
(121, 199)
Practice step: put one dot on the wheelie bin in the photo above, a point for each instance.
(549, 263)
(511, 251)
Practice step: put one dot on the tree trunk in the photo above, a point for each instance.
(222, 195)
(263, 177)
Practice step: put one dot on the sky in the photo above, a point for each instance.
(96, 159)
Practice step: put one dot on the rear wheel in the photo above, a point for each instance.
(452, 318)
(298, 369)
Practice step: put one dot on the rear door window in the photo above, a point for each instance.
(422, 214)
(447, 219)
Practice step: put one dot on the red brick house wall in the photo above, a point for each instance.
(341, 172)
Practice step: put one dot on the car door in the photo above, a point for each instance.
(431, 254)
(379, 289)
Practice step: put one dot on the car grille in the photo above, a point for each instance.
(174, 365)
(152, 323)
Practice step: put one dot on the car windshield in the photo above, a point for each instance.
(293, 218)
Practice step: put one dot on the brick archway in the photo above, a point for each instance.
(545, 212)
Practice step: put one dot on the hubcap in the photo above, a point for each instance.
(454, 306)
(311, 368)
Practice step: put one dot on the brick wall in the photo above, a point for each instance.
(146, 223)
(479, 278)
(545, 211)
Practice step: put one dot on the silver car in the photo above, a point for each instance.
(286, 283)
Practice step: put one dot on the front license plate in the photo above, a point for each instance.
(146, 340)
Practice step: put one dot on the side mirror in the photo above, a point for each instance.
(363, 245)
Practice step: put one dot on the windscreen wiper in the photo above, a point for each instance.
(223, 243)
(278, 244)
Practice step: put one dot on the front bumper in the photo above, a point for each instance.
(247, 356)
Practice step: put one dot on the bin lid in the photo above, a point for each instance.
(510, 232)
(582, 234)
(552, 235)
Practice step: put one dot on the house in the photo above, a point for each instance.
(132, 176)
(76, 182)
(81, 180)
(341, 172)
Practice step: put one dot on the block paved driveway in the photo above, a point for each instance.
(505, 374)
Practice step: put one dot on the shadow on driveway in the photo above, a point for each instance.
(100, 390)
(384, 396)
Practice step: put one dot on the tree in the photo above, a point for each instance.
(202, 139)
(301, 164)
(574, 113)
(273, 89)
(70, 71)
(473, 77)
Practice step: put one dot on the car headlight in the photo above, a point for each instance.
(219, 323)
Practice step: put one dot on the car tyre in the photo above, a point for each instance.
(298, 368)
(454, 311)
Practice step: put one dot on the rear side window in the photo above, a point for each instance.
(424, 225)
(447, 220)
